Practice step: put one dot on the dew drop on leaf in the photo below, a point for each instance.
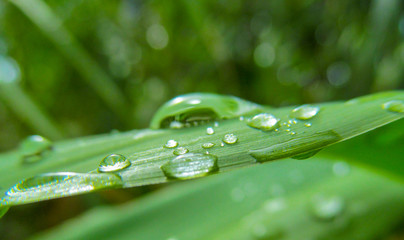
(230, 138)
(54, 185)
(208, 145)
(263, 121)
(210, 131)
(34, 147)
(190, 165)
(180, 151)
(113, 162)
(171, 144)
(304, 112)
(394, 106)
(327, 208)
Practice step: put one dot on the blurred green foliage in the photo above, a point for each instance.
(270, 52)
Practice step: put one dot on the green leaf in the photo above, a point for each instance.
(265, 134)
(314, 199)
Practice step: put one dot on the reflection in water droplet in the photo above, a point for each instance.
(304, 112)
(230, 138)
(190, 165)
(113, 162)
(394, 106)
(171, 144)
(210, 131)
(307, 124)
(34, 147)
(341, 169)
(54, 185)
(180, 151)
(208, 145)
(326, 208)
(263, 121)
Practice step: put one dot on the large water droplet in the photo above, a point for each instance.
(34, 148)
(180, 151)
(208, 145)
(296, 146)
(113, 162)
(171, 144)
(55, 185)
(394, 106)
(190, 165)
(230, 138)
(327, 208)
(304, 112)
(263, 121)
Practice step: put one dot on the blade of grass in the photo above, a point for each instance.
(145, 149)
(274, 200)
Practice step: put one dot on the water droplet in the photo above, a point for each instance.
(180, 151)
(222, 144)
(55, 185)
(216, 124)
(230, 138)
(394, 106)
(306, 155)
(327, 208)
(341, 169)
(210, 131)
(292, 133)
(176, 125)
(190, 165)
(275, 205)
(9, 70)
(208, 145)
(307, 124)
(34, 148)
(113, 162)
(263, 121)
(304, 112)
(171, 144)
(295, 146)
(241, 118)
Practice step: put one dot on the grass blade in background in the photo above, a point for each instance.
(235, 143)
(289, 199)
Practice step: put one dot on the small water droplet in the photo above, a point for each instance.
(171, 144)
(210, 131)
(222, 144)
(341, 169)
(304, 112)
(113, 162)
(216, 124)
(287, 130)
(307, 124)
(292, 133)
(34, 148)
(230, 138)
(176, 125)
(327, 208)
(275, 205)
(394, 106)
(54, 185)
(208, 145)
(180, 151)
(263, 121)
(190, 165)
